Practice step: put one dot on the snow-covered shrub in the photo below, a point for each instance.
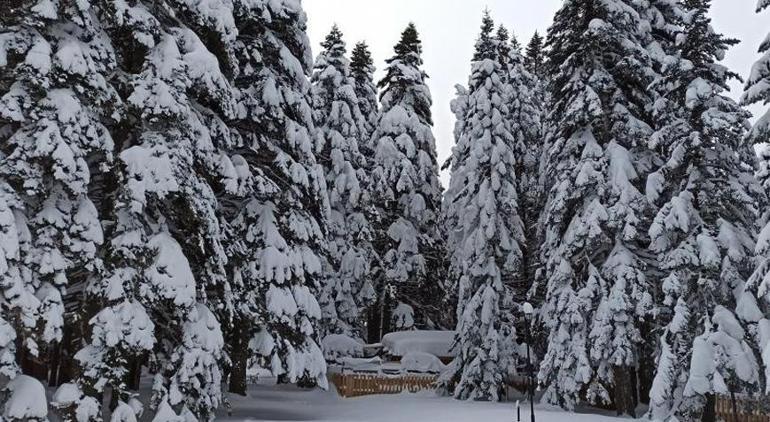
(74, 406)
(165, 413)
(26, 400)
(338, 346)
(123, 413)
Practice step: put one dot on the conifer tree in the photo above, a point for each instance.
(347, 285)
(406, 187)
(525, 123)
(597, 291)
(278, 209)
(484, 227)
(534, 57)
(758, 92)
(362, 71)
(164, 257)
(504, 45)
(55, 103)
(703, 232)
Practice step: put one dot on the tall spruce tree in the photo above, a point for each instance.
(406, 187)
(758, 92)
(704, 230)
(525, 123)
(347, 286)
(485, 232)
(164, 257)
(504, 45)
(278, 210)
(55, 101)
(362, 71)
(597, 291)
(534, 56)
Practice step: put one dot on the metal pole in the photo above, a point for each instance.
(531, 386)
(518, 412)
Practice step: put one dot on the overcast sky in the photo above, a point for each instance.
(448, 29)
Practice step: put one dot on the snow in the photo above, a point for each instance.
(27, 400)
(374, 364)
(437, 343)
(422, 363)
(170, 273)
(123, 413)
(403, 316)
(66, 395)
(286, 403)
(336, 346)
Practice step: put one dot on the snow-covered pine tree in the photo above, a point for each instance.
(704, 230)
(406, 187)
(279, 209)
(164, 257)
(485, 232)
(596, 286)
(54, 104)
(534, 56)
(362, 71)
(347, 288)
(665, 19)
(504, 43)
(524, 120)
(758, 92)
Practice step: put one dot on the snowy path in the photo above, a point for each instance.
(287, 403)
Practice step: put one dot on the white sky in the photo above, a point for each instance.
(448, 29)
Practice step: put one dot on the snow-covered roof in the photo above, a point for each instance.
(437, 343)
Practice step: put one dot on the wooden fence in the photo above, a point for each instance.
(356, 385)
(748, 410)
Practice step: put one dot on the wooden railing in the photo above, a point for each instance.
(746, 409)
(356, 385)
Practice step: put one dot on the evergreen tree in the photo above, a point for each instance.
(525, 116)
(362, 71)
(703, 232)
(597, 291)
(534, 57)
(488, 41)
(55, 101)
(502, 39)
(347, 288)
(758, 91)
(278, 207)
(485, 230)
(406, 187)
(164, 258)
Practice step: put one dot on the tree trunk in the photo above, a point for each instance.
(624, 391)
(134, 373)
(373, 323)
(54, 357)
(66, 365)
(709, 410)
(240, 359)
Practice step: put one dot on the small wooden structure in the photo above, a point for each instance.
(356, 385)
(748, 409)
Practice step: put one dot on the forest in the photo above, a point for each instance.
(189, 197)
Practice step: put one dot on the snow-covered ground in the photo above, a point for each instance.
(287, 403)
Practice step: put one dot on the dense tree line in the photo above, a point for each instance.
(187, 195)
(640, 190)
